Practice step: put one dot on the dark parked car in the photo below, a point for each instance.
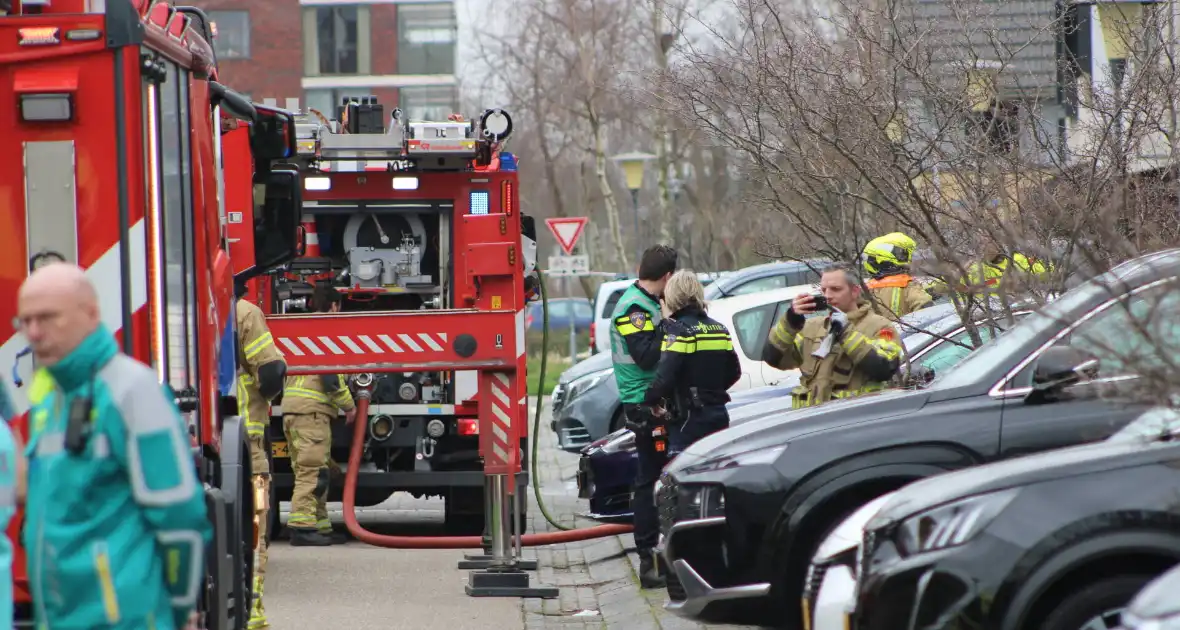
(1157, 606)
(1055, 541)
(608, 466)
(743, 511)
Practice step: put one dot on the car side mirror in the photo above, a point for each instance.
(1062, 366)
(278, 233)
(272, 134)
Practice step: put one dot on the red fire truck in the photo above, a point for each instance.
(111, 124)
(412, 223)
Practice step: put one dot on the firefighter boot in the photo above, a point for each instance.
(301, 537)
(651, 569)
(323, 523)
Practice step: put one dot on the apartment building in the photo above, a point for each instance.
(401, 51)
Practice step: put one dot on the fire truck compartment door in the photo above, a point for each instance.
(51, 211)
(42, 81)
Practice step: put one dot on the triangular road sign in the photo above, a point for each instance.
(567, 230)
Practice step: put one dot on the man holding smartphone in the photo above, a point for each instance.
(850, 352)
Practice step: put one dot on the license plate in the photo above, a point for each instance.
(279, 449)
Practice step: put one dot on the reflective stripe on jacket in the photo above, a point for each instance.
(308, 394)
(256, 348)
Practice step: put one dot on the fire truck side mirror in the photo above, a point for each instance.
(277, 234)
(272, 134)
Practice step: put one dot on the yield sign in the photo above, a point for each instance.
(567, 230)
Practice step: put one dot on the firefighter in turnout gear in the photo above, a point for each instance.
(697, 366)
(887, 260)
(986, 277)
(852, 351)
(635, 338)
(261, 370)
(310, 403)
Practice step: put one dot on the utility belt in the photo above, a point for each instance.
(804, 397)
(697, 398)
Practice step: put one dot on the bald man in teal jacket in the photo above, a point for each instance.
(116, 524)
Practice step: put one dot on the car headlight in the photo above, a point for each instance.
(702, 501)
(622, 442)
(584, 383)
(952, 524)
(749, 458)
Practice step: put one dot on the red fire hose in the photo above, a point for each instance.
(437, 542)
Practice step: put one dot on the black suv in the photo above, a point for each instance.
(743, 511)
(1055, 541)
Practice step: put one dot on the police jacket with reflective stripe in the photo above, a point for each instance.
(697, 352)
(635, 337)
(115, 535)
(316, 393)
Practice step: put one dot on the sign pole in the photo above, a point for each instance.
(573, 336)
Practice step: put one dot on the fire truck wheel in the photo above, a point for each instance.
(464, 511)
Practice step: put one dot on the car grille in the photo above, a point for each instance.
(666, 503)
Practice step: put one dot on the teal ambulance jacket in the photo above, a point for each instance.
(7, 505)
(114, 536)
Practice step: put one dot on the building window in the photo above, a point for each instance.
(232, 39)
(426, 39)
(326, 101)
(336, 40)
(428, 103)
(997, 128)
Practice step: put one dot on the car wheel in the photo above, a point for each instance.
(1096, 607)
(617, 420)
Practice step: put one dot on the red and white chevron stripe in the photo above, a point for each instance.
(364, 344)
(501, 404)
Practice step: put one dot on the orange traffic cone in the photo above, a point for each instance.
(312, 242)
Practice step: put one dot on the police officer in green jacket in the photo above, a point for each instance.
(635, 339)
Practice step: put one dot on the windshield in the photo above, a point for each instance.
(979, 363)
(1152, 424)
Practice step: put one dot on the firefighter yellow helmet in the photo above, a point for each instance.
(894, 250)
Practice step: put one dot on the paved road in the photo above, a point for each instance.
(361, 587)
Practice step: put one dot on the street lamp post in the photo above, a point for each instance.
(633, 168)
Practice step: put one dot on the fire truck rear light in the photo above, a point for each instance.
(405, 183)
(46, 107)
(83, 34)
(468, 426)
(479, 202)
(506, 193)
(39, 35)
(317, 183)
